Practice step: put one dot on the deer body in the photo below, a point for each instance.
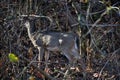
(57, 41)
(66, 43)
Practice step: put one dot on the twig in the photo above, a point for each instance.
(37, 16)
(98, 25)
(25, 68)
(100, 73)
(35, 67)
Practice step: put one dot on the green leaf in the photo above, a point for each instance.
(13, 58)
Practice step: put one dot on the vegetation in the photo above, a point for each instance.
(96, 21)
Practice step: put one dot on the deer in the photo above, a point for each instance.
(63, 42)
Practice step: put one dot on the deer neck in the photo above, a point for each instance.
(30, 29)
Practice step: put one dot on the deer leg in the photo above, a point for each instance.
(46, 60)
(40, 55)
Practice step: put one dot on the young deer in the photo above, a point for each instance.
(66, 43)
